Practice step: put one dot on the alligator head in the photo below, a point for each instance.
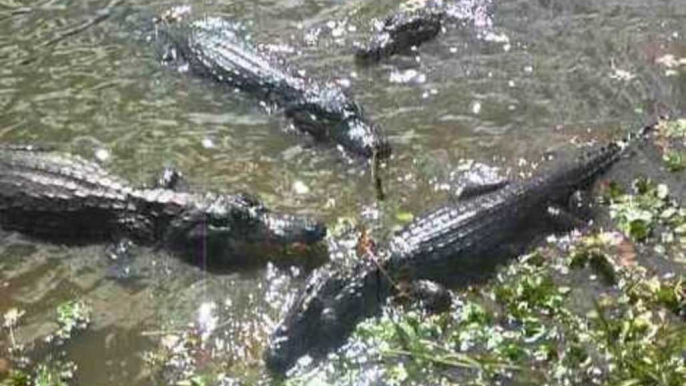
(327, 112)
(325, 313)
(241, 229)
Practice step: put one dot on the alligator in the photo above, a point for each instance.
(211, 47)
(455, 243)
(62, 197)
(400, 33)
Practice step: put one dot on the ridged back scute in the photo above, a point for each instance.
(214, 47)
(47, 181)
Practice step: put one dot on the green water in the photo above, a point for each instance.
(508, 80)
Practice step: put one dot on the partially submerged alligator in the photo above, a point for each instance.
(447, 245)
(63, 197)
(211, 47)
(400, 32)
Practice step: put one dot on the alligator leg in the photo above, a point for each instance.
(563, 221)
(575, 215)
(581, 204)
(474, 190)
(477, 180)
(431, 296)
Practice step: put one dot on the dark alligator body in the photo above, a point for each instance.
(454, 244)
(400, 33)
(211, 47)
(61, 197)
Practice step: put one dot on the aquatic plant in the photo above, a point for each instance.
(532, 325)
(71, 316)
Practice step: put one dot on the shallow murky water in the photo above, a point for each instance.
(506, 80)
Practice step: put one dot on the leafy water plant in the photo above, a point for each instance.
(671, 138)
(673, 128)
(674, 160)
(53, 373)
(649, 206)
(532, 325)
(72, 316)
(10, 321)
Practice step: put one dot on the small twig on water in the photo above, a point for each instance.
(366, 248)
(376, 177)
(13, 341)
(104, 15)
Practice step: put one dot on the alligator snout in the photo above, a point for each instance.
(365, 139)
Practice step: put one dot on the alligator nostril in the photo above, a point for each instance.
(315, 232)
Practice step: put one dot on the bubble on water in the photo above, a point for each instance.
(345, 82)
(496, 38)
(207, 143)
(622, 75)
(102, 154)
(476, 107)
(407, 76)
(299, 187)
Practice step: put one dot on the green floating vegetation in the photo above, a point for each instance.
(531, 325)
(675, 128)
(52, 373)
(404, 217)
(674, 160)
(72, 316)
(649, 206)
(671, 138)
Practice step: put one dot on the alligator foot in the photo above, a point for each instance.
(428, 295)
(121, 256)
(562, 221)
